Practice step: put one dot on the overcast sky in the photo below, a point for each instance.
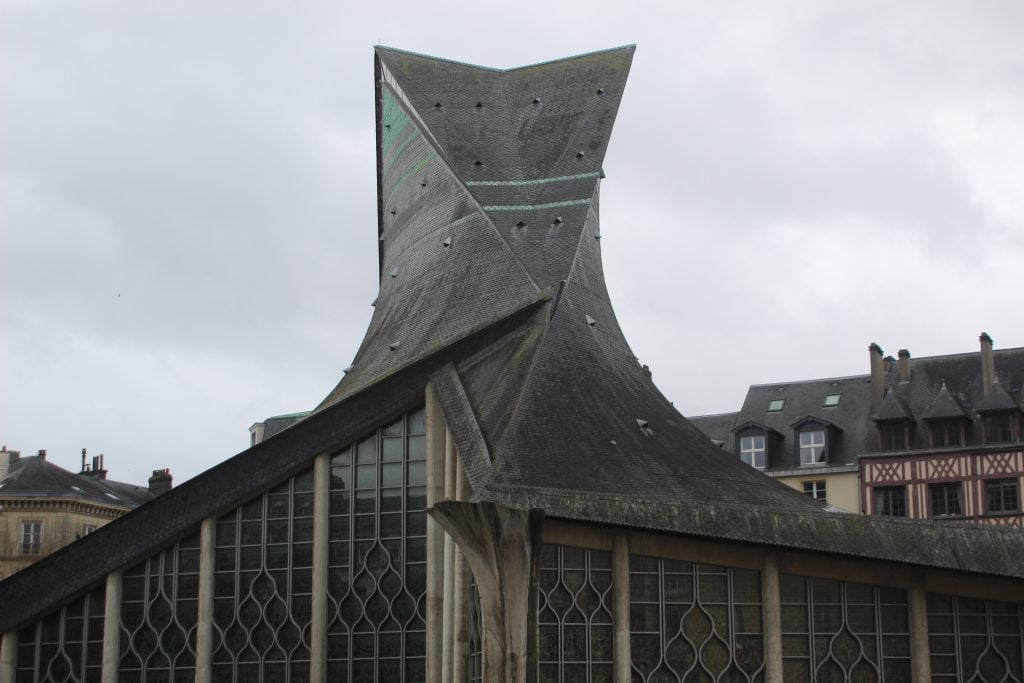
(187, 198)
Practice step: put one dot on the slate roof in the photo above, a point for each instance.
(938, 387)
(492, 289)
(997, 400)
(36, 477)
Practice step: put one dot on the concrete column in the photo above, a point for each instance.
(772, 610)
(460, 661)
(321, 531)
(435, 535)
(620, 608)
(112, 628)
(920, 653)
(448, 613)
(502, 547)
(204, 621)
(8, 656)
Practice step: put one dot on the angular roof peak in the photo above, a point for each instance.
(891, 408)
(944, 406)
(997, 399)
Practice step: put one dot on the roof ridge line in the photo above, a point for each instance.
(545, 62)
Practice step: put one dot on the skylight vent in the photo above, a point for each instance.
(590, 321)
(600, 91)
(520, 224)
(349, 369)
(644, 426)
(479, 105)
(557, 221)
(446, 242)
(776, 404)
(394, 272)
(111, 496)
(75, 488)
(394, 345)
(392, 212)
(536, 100)
(580, 154)
(423, 183)
(478, 163)
(597, 235)
(374, 303)
(437, 105)
(831, 400)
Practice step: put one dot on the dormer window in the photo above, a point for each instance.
(752, 450)
(812, 447)
(998, 427)
(755, 443)
(946, 433)
(894, 435)
(814, 439)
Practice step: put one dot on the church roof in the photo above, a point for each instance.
(492, 290)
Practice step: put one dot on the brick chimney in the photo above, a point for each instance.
(877, 375)
(904, 365)
(160, 482)
(988, 365)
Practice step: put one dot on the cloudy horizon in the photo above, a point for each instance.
(188, 199)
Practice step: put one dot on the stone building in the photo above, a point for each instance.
(496, 490)
(43, 507)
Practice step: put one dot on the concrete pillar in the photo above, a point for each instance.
(460, 661)
(877, 375)
(920, 653)
(502, 547)
(112, 628)
(620, 608)
(204, 620)
(772, 610)
(435, 535)
(321, 531)
(448, 613)
(8, 656)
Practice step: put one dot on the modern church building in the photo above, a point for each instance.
(496, 490)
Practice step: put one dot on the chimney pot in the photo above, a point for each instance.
(988, 367)
(877, 375)
(42, 454)
(160, 482)
(904, 365)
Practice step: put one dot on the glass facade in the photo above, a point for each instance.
(66, 646)
(574, 615)
(975, 640)
(262, 587)
(838, 631)
(159, 611)
(377, 556)
(691, 622)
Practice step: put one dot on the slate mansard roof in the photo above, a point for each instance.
(492, 290)
(36, 477)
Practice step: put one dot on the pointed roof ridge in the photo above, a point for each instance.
(446, 60)
(891, 408)
(944, 405)
(997, 399)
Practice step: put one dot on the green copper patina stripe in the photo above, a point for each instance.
(552, 205)
(398, 150)
(538, 181)
(405, 176)
(393, 120)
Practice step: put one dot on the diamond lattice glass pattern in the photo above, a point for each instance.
(694, 622)
(575, 615)
(975, 640)
(65, 646)
(377, 556)
(262, 587)
(838, 631)
(159, 607)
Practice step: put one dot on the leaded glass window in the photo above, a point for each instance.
(159, 608)
(694, 622)
(377, 556)
(475, 666)
(262, 586)
(975, 640)
(575, 615)
(838, 631)
(66, 645)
